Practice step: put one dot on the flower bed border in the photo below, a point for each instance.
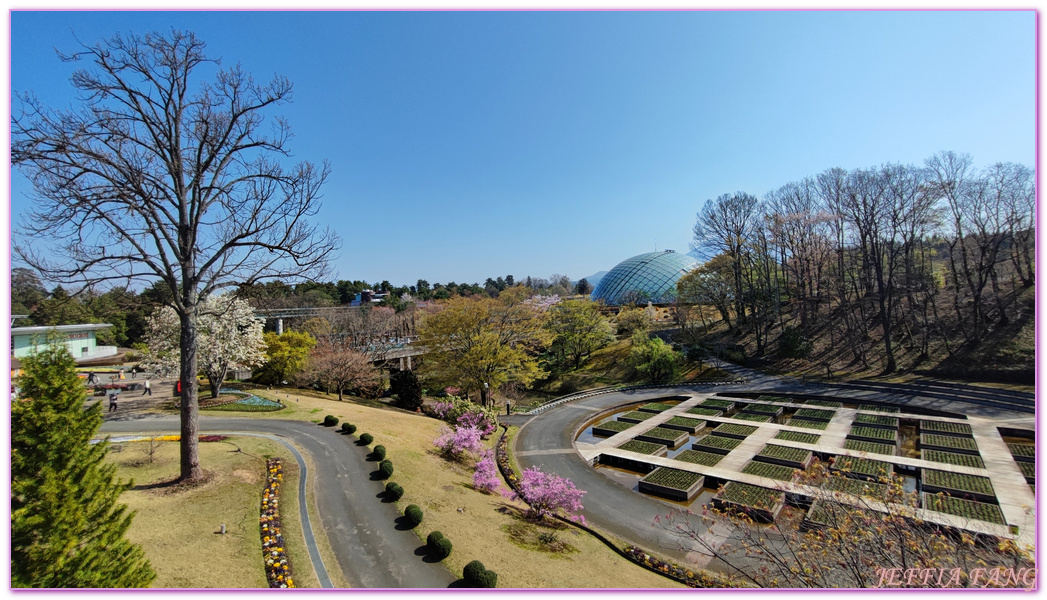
(277, 564)
(651, 436)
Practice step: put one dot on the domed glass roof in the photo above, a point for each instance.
(649, 277)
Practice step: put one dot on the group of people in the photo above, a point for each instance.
(114, 394)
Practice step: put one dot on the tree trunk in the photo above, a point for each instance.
(190, 412)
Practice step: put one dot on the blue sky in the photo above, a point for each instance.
(468, 145)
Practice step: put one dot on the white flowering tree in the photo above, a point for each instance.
(228, 332)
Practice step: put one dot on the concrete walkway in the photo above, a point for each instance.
(371, 549)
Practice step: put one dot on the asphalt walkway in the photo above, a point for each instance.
(369, 546)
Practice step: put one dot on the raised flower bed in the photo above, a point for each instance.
(863, 468)
(958, 485)
(1023, 452)
(815, 414)
(764, 409)
(635, 416)
(857, 487)
(877, 421)
(644, 448)
(722, 405)
(873, 434)
(656, 407)
(1028, 470)
(968, 509)
(961, 429)
(734, 430)
(949, 443)
(870, 447)
(798, 436)
(774, 398)
(826, 403)
(277, 564)
(704, 411)
(878, 408)
(953, 458)
(753, 417)
(684, 424)
(806, 423)
(786, 456)
(763, 469)
(699, 457)
(660, 435)
(762, 504)
(674, 484)
(716, 443)
(610, 428)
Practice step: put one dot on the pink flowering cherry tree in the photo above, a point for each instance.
(546, 493)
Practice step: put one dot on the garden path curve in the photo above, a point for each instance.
(371, 551)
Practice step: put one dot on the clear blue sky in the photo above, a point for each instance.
(468, 145)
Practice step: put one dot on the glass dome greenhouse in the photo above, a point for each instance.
(649, 277)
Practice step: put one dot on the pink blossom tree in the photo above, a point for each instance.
(546, 493)
(485, 478)
(455, 443)
(480, 420)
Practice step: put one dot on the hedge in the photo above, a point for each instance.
(385, 468)
(414, 515)
(394, 490)
(379, 452)
(366, 438)
(348, 428)
(330, 421)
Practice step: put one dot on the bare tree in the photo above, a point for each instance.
(148, 180)
(335, 364)
(724, 226)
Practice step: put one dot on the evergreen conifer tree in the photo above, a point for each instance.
(67, 529)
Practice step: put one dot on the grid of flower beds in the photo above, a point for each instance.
(958, 485)
(798, 436)
(870, 447)
(863, 468)
(687, 424)
(764, 409)
(787, 456)
(831, 515)
(873, 434)
(660, 435)
(1023, 452)
(764, 469)
(753, 417)
(645, 448)
(953, 458)
(699, 457)
(948, 443)
(968, 509)
(876, 421)
(610, 428)
(639, 447)
(772, 398)
(946, 428)
(716, 444)
(762, 504)
(734, 430)
(826, 403)
(674, 484)
(705, 411)
(656, 407)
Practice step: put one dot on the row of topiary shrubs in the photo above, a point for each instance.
(438, 545)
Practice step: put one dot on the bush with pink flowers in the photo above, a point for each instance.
(456, 443)
(546, 493)
(485, 478)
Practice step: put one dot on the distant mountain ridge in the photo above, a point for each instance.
(592, 279)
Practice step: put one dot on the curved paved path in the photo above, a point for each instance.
(372, 551)
(547, 440)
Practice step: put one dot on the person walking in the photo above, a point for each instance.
(112, 401)
(148, 389)
(134, 372)
(91, 377)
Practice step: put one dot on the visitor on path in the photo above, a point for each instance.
(91, 377)
(112, 401)
(148, 390)
(134, 372)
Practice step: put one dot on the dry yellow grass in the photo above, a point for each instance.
(487, 527)
(176, 527)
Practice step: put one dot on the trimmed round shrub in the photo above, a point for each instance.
(442, 549)
(414, 515)
(366, 438)
(472, 571)
(385, 468)
(394, 490)
(379, 452)
(489, 579)
(346, 428)
(430, 540)
(330, 421)
(350, 428)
